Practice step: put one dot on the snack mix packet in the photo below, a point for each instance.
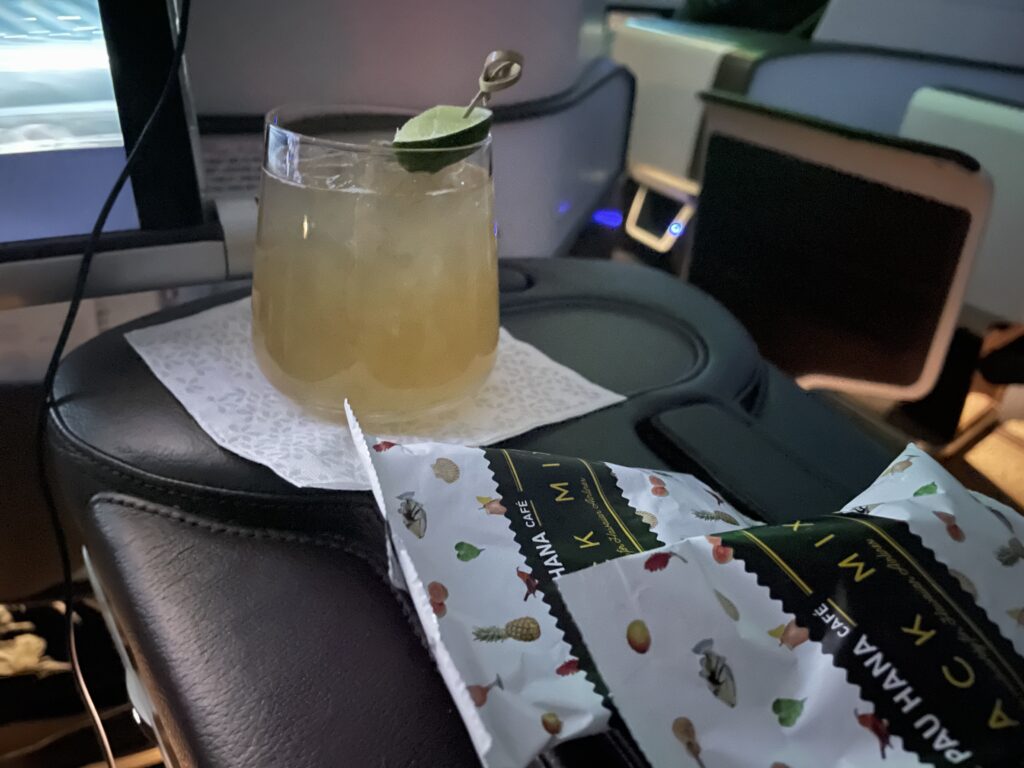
(889, 634)
(549, 587)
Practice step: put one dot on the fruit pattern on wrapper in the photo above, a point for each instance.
(677, 506)
(979, 539)
(695, 673)
(432, 489)
(489, 612)
(525, 628)
(706, 653)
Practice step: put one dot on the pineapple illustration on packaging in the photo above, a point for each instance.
(524, 629)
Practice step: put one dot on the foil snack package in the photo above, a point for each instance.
(888, 634)
(479, 535)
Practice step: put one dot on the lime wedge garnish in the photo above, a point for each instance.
(442, 128)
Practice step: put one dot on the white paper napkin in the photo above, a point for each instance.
(207, 363)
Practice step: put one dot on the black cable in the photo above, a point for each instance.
(51, 374)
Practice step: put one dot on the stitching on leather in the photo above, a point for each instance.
(328, 539)
(327, 542)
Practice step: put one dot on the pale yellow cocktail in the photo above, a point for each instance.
(374, 283)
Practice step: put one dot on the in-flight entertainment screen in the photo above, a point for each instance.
(61, 145)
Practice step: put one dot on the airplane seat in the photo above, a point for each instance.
(845, 254)
(869, 57)
(981, 31)
(861, 68)
(993, 132)
(865, 68)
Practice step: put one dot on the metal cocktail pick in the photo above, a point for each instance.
(501, 70)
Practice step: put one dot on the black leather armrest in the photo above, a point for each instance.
(267, 648)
